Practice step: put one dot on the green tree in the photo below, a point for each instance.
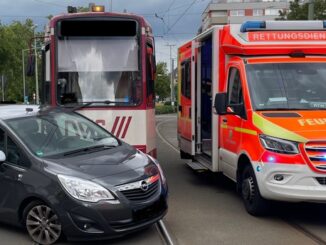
(82, 9)
(13, 39)
(299, 11)
(162, 84)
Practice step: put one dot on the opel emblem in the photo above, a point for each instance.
(144, 185)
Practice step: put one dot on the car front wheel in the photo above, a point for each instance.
(42, 223)
(254, 203)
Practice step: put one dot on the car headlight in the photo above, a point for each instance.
(158, 167)
(279, 145)
(84, 190)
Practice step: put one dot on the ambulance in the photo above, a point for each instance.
(252, 105)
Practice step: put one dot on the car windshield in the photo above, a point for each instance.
(287, 86)
(92, 69)
(60, 133)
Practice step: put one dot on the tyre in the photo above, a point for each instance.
(42, 223)
(254, 203)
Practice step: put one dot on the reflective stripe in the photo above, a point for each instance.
(246, 131)
(274, 130)
(241, 130)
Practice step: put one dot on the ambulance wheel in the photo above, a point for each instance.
(184, 155)
(254, 203)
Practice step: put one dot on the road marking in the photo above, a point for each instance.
(162, 137)
(161, 228)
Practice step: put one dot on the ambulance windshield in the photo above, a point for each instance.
(287, 86)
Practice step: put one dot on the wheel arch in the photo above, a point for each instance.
(243, 161)
(26, 202)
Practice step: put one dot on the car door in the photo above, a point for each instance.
(231, 123)
(11, 173)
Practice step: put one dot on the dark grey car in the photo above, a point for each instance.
(63, 175)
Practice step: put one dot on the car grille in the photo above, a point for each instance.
(321, 180)
(141, 190)
(139, 194)
(316, 151)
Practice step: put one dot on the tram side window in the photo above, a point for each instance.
(150, 71)
(46, 71)
(186, 79)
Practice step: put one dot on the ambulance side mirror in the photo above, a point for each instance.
(220, 103)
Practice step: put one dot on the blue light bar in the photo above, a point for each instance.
(254, 25)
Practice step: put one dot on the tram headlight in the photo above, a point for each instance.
(98, 8)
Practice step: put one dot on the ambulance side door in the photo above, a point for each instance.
(231, 123)
(185, 132)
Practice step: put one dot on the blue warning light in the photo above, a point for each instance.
(253, 25)
(271, 159)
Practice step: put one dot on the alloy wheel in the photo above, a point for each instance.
(43, 225)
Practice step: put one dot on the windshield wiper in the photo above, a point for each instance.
(80, 105)
(88, 149)
(284, 109)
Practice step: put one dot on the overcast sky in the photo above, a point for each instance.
(181, 17)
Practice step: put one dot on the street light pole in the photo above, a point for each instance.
(36, 69)
(3, 88)
(171, 74)
(24, 72)
(172, 82)
(24, 81)
(311, 6)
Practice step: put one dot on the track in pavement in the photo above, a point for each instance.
(150, 236)
(304, 221)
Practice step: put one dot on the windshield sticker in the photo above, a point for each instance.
(39, 153)
(277, 99)
(312, 122)
(318, 104)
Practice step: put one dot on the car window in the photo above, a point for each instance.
(186, 79)
(235, 88)
(14, 154)
(2, 140)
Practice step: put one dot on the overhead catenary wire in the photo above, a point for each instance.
(168, 9)
(181, 16)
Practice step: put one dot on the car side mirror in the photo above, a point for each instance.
(2, 157)
(220, 103)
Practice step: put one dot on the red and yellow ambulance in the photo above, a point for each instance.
(252, 105)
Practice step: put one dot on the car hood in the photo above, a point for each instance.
(117, 165)
(300, 126)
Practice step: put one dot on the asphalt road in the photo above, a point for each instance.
(204, 208)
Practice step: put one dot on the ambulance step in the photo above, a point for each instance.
(196, 166)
